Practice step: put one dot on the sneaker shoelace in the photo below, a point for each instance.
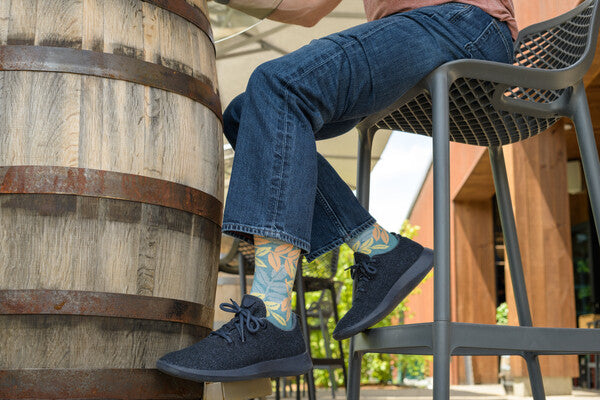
(242, 320)
(362, 271)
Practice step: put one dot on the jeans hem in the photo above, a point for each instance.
(360, 229)
(339, 241)
(234, 229)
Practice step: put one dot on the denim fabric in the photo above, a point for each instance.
(280, 186)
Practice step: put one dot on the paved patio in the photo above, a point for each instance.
(463, 392)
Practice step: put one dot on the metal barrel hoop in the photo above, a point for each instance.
(111, 66)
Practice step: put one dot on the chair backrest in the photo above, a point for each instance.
(565, 42)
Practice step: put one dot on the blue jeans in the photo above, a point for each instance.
(280, 186)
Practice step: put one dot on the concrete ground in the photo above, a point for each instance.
(463, 392)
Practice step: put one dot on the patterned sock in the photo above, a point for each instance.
(275, 269)
(373, 241)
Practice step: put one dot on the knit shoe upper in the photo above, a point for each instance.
(382, 282)
(247, 347)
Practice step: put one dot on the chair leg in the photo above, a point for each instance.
(354, 370)
(588, 372)
(242, 272)
(513, 253)
(597, 369)
(588, 150)
(535, 376)
(336, 318)
(591, 168)
(441, 242)
(363, 180)
(325, 333)
(301, 305)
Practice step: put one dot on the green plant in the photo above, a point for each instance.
(502, 314)
(376, 368)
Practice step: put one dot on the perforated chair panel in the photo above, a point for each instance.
(557, 47)
(474, 117)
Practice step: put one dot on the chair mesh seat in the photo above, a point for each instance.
(473, 120)
(473, 117)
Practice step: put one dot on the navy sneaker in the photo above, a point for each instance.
(382, 282)
(247, 347)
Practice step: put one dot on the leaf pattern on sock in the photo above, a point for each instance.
(261, 251)
(274, 278)
(286, 306)
(280, 319)
(374, 240)
(260, 241)
(273, 261)
(289, 285)
(259, 263)
(380, 233)
(259, 295)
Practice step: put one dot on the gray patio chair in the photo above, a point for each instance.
(490, 104)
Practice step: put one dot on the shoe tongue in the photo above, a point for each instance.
(255, 305)
(360, 257)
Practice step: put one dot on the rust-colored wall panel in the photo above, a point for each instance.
(420, 301)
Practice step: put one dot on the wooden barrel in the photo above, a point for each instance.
(110, 194)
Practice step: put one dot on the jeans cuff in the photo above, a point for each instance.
(339, 241)
(238, 231)
(360, 229)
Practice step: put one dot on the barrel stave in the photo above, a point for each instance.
(86, 243)
(51, 341)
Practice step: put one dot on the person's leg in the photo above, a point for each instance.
(275, 264)
(330, 227)
(318, 92)
(275, 179)
(396, 61)
(373, 64)
(338, 217)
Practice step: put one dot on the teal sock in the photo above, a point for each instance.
(373, 241)
(275, 264)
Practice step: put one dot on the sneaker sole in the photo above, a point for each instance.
(407, 282)
(290, 366)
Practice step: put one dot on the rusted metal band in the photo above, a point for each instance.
(100, 304)
(95, 384)
(111, 66)
(187, 11)
(111, 185)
